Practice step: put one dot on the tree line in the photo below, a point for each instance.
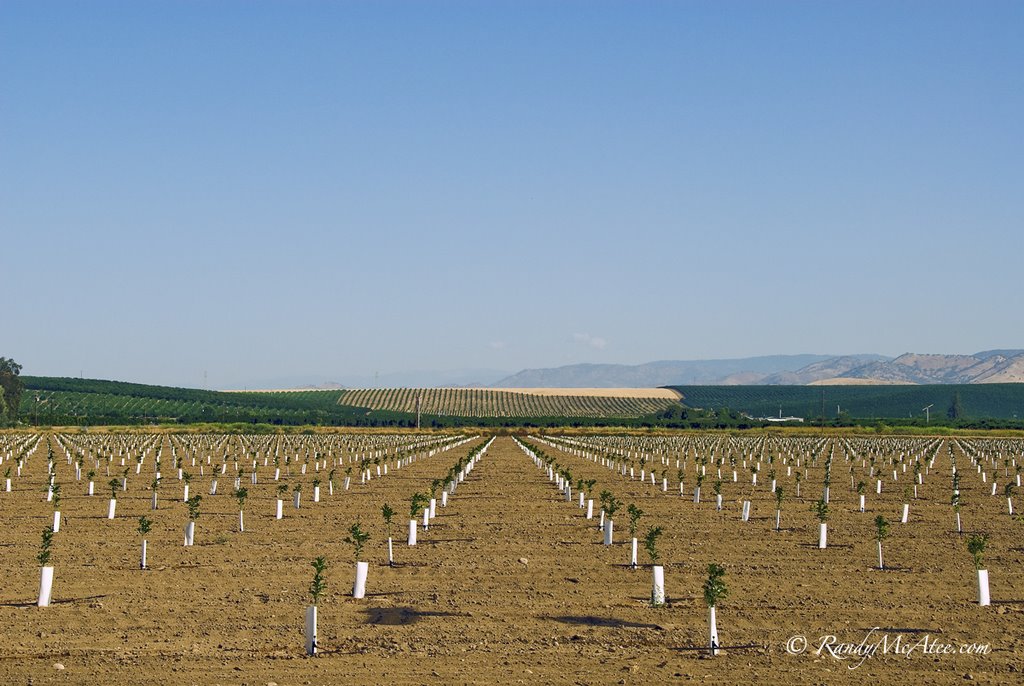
(11, 389)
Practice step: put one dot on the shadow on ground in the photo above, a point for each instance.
(399, 616)
(590, 620)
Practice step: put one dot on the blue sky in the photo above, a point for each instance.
(332, 189)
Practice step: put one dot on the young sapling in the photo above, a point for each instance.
(603, 498)
(651, 546)
(714, 591)
(416, 503)
(635, 513)
(779, 495)
(881, 533)
(282, 489)
(112, 505)
(435, 486)
(316, 591)
(46, 570)
(55, 489)
(241, 494)
(319, 584)
(611, 506)
(45, 548)
(976, 544)
(588, 484)
(144, 527)
(388, 515)
(193, 514)
(821, 511)
(357, 538)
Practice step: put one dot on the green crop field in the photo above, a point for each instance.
(66, 401)
(999, 401)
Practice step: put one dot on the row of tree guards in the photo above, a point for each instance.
(560, 477)
(919, 456)
(923, 462)
(357, 538)
(53, 493)
(418, 503)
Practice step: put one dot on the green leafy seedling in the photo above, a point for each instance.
(388, 515)
(821, 510)
(45, 546)
(714, 586)
(881, 528)
(240, 495)
(976, 544)
(357, 538)
(651, 543)
(319, 584)
(193, 507)
(416, 504)
(635, 513)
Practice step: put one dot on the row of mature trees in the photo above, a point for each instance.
(11, 388)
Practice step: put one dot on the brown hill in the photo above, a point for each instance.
(985, 367)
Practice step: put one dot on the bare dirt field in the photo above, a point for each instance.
(510, 584)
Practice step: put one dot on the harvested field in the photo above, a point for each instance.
(664, 393)
(489, 402)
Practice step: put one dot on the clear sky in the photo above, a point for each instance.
(261, 190)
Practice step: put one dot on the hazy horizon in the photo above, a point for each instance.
(201, 194)
(494, 378)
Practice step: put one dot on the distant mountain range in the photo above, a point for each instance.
(664, 373)
(992, 366)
